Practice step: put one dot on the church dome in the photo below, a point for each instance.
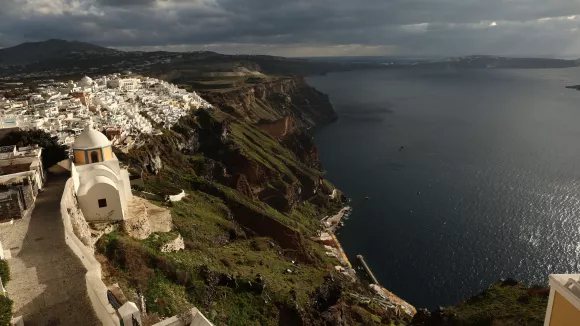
(86, 81)
(90, 138)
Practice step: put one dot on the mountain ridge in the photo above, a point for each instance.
(50, 52)
(30, 52)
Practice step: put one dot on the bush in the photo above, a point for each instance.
(524, 298)
(136, 263)
(4, 272)
(5, 310)
(226, 262)
(261, 244)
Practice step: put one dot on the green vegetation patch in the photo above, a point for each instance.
(5, 310)
(4, 271)
(234, 279)
(166, 298)
(502, 304)
(266, 150)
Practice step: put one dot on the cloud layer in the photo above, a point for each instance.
(304, 27)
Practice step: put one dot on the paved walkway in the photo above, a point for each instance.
(48, 280)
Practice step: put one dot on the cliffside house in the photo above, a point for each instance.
(564, 303)
(101, 186)
(21, 177)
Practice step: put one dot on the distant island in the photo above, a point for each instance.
(495, 62)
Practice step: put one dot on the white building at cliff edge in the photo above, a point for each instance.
(101, 186)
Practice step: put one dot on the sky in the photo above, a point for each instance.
(304, 27)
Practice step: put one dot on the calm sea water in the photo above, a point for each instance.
(486, 185)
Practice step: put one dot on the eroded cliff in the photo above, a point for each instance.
(275, 99)
(254, 199)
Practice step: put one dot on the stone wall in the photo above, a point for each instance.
(27, 195)
(79, 224)
(35, 188)
(10, 207)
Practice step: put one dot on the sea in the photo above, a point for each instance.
(457, 178)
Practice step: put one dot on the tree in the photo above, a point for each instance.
(5, 310)
(52, 152)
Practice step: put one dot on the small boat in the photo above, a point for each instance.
(366, 197)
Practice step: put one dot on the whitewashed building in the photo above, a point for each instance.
(101, 186)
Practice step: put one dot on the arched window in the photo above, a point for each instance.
(94, 157)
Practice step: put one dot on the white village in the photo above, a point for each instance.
(124, 107)
(49, 227)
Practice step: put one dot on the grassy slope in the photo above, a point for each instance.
(498, 306)
(215, 243)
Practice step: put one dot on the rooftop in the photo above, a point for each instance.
(91, 138)
(12, 152)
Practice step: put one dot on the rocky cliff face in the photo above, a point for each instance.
(255, 196)
(210, 149)
(279, 129)
(274, 100)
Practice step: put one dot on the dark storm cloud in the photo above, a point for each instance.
(126, 2)
(303, 27)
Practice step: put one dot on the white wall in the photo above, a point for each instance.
(110, 169)
(89, 203)
(96, 289)
(126, 183)
(74, 176)
(195, 318)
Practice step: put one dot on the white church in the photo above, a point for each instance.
(101, 186)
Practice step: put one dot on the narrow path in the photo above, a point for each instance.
(48, 280)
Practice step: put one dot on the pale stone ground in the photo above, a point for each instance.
(48, 280)
(145, 218)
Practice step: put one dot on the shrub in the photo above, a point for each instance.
(226, 262)
(4, 272)
(191, 245)
(261, 244)
(137, 188)
(360, 315)
(524, 298)
(5, 310)
(136, 265)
